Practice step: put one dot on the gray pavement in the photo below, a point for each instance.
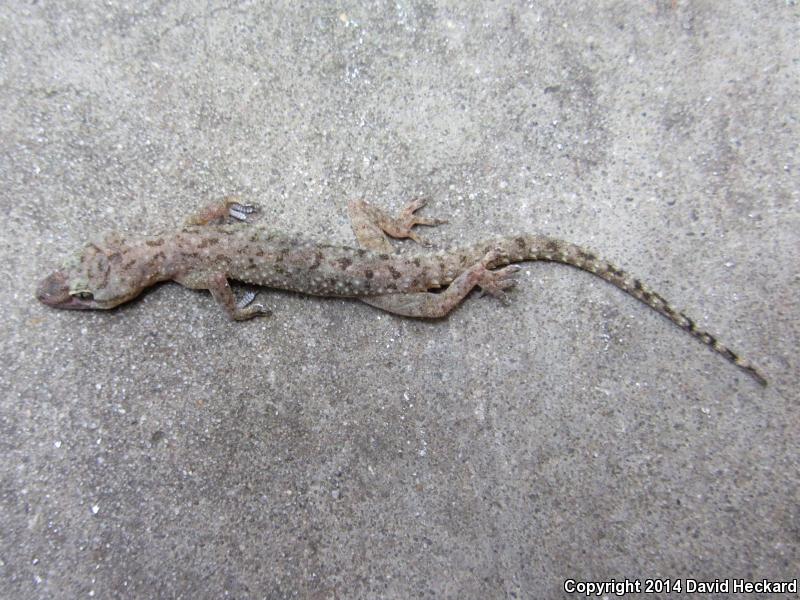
(334, 451)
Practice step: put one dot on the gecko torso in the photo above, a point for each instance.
(206, 255)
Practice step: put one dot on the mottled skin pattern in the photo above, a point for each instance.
(210, 250)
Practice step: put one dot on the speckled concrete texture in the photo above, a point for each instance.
(334, 451)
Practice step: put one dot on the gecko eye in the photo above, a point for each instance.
(84, 295)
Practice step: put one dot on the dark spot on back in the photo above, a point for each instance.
(369, 274)
(155, 260)
(520, 241)
(208, 242)
(383, 256)
(395, 273)
(155, 243)
(344, 262)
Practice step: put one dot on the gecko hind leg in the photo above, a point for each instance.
(227, 210)
(429, 305)
(371, 224)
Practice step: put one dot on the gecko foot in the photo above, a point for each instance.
(253, 310)
(370, 223)
(407, 220)
(496, 282)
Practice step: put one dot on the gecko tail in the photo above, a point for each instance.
(542, 248)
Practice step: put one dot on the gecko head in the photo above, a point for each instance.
(89, 280)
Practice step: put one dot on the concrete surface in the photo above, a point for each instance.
(333, 451)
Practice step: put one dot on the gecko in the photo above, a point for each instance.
(220, 243)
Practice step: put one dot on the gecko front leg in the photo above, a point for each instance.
(217, 284)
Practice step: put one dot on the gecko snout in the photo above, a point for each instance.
(54, 291)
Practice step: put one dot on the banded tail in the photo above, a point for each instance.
(537, 247)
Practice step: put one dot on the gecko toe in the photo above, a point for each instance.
(414, 206)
